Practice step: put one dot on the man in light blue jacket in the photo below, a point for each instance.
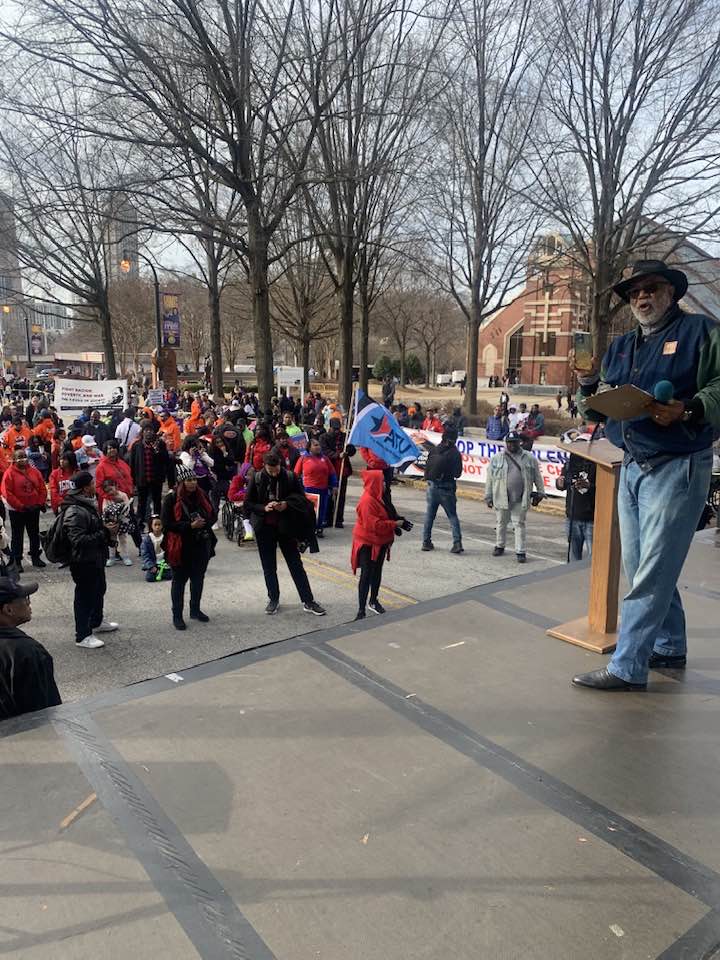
(512, 473)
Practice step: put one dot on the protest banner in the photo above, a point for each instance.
(477, 453)
(300, 442)
(74, 396)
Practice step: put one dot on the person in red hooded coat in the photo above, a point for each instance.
(373, 534)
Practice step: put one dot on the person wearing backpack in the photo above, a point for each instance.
(87, 541)
(512, 473)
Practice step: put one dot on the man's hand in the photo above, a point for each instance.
(197, 523)
(270, 506)
(590, 371)
(666, 413)
(281, 505)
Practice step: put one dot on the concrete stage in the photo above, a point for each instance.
(425, 785)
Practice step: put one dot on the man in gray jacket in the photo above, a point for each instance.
(512, 473)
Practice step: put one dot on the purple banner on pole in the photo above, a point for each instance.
(170, 320)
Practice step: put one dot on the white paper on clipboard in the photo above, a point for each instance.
(621, 403)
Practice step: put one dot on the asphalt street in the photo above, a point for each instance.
(147, 645)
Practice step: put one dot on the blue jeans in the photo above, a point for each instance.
(658, 514)
(581, 532)
(441, 493)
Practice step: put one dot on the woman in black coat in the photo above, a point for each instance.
(187, 518)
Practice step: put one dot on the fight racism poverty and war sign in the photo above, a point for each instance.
(103, 395)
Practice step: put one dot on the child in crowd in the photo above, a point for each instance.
(236, 494)
(38, 458)
(116, 509)
(152, 550)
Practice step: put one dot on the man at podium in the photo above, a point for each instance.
(664, 479)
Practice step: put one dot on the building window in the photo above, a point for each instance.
(515, 351)
(545, 347)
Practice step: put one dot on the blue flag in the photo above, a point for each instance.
(377, 429)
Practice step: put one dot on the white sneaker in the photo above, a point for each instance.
(110, 562)
(107, 626)
(215, 526)
(91, 643)
(127, 561)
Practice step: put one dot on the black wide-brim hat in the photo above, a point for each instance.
(646, 268)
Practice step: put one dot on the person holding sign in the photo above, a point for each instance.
(674, 357)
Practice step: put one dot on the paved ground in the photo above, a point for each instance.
(148, 646)
(422, 785)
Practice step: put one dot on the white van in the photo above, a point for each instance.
(458, 376)
(443, 379)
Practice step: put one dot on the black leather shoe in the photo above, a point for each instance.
(179, 623)
(521, 558)
(659, 660)
(199, 615)
(498, 551)
(427, 545)
(604, 680)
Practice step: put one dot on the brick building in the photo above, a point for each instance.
(531, 337)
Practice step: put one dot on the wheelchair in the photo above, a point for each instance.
(231, 519)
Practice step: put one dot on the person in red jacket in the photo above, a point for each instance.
(261, 445)
(23, 490)
(432, 422)
(61, 480)
(318, 476)
(373, 534)
(113, 467)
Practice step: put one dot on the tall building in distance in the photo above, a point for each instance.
(10, 276)
(120, 239)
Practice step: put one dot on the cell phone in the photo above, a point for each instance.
(583, 345)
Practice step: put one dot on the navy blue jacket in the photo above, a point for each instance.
(687, 353)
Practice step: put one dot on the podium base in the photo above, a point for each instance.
(579, 632)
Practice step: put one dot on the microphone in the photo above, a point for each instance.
(663, 391)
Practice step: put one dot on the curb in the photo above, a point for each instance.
(553, 506)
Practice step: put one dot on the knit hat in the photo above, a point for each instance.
(184, 473)
(82, 479)
(88, 440)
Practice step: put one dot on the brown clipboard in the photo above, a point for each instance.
(621, 403)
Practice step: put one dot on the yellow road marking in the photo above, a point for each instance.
(74, 814)
(327, 570)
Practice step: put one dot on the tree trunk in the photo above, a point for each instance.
(471, 364)
(428, 374)
(600, 312)
(345, 317)
(364, 342)
(260, 299)
(305, 361)
(215, 329)
(105, 323)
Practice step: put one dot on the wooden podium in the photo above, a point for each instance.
(598, 630)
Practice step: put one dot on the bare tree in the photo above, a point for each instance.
(484, 108)
(62, 186)
(633, 113)
(398, 312)
(368, 146)
(264, 69)
(302, 296)
(235, 321)
(132, 302)
(433, 325)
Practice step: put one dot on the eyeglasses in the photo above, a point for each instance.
(650, 289)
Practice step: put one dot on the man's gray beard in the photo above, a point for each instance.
(653, 322)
